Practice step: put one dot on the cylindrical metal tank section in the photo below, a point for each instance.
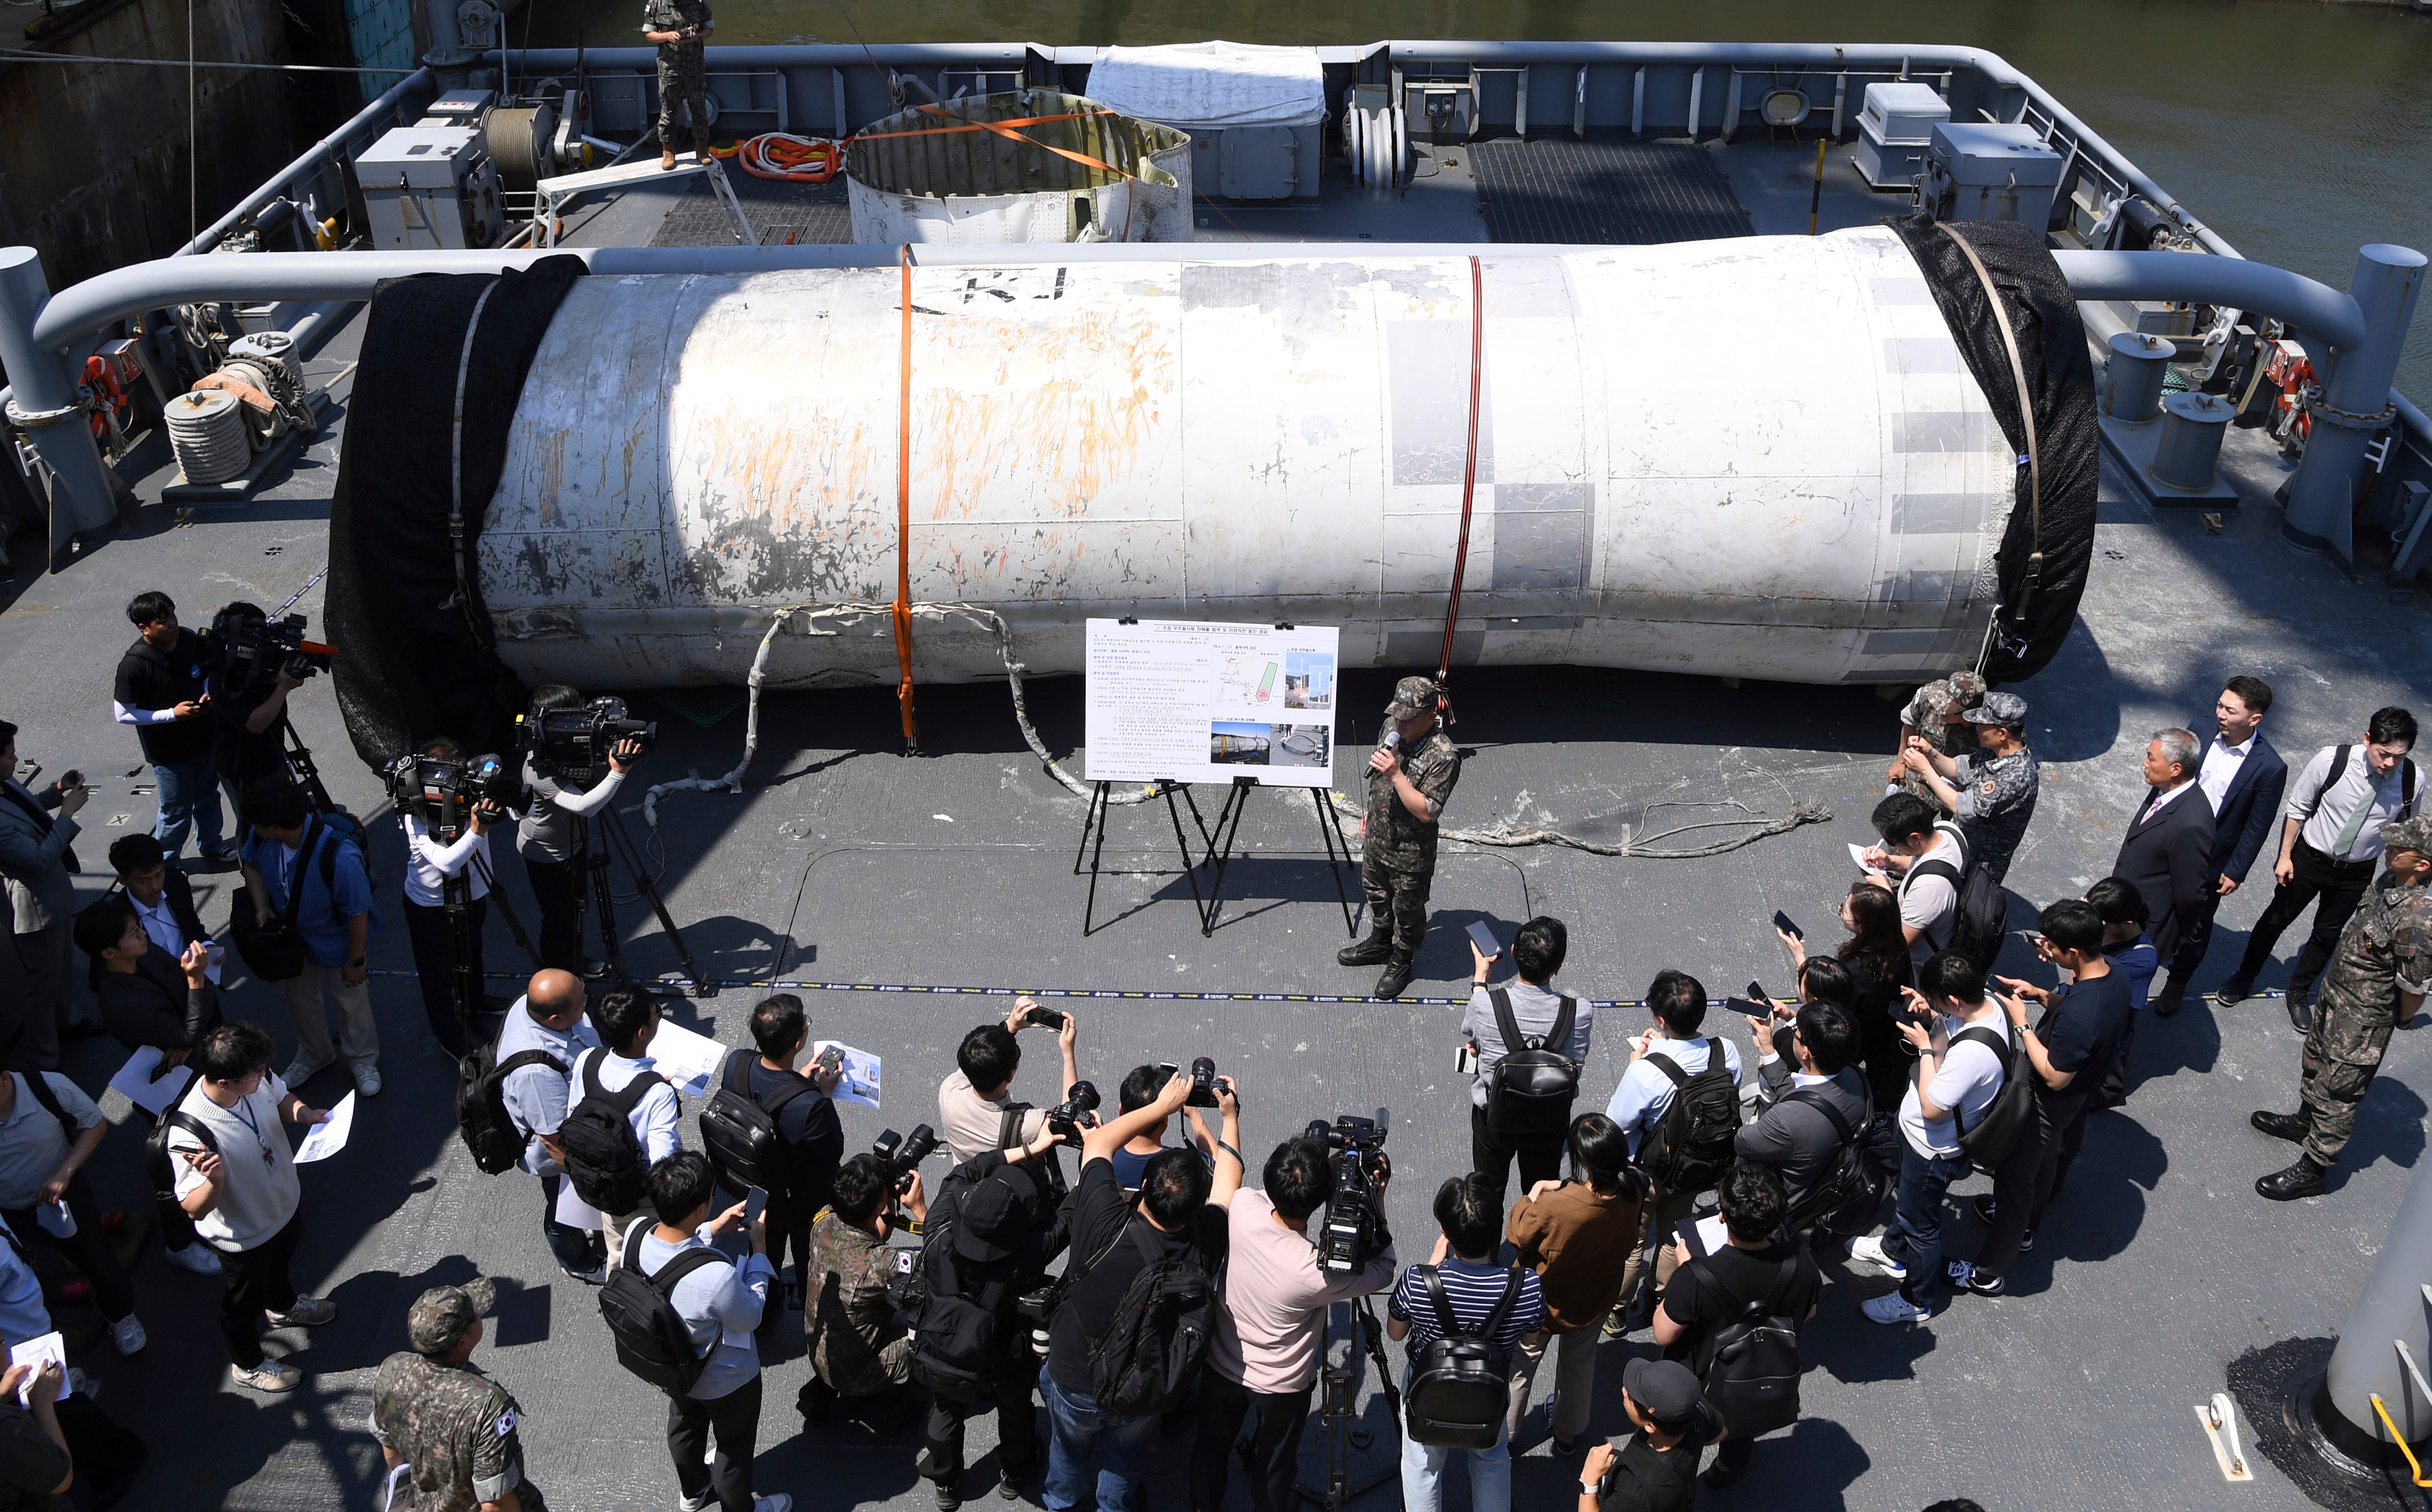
(2189, 443)
(2131, 390)
(1273, 441)
(928, 174)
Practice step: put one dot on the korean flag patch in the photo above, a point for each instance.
(506, 1422)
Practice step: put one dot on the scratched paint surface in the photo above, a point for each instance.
(1658, 484)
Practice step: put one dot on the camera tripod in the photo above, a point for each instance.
(465, 985)
(299, 766)
(618, 844)
(1338, 1401)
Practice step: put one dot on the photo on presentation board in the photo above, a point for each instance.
(1309, 679)
(1305, 746)
(1237, 743)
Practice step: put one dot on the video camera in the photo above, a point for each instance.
(902, 1155)
(1065, 1117)
(1353, 1221)
(252, 648)
(573, 743)
(442, 791)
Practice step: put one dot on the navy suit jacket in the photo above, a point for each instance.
(2249, 810)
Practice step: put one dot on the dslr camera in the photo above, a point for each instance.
(903, 1154)
(252, 648)
(572, 745)
(1354, 1221)
(1203, 1085)
(1065, 1117)
(443, 792)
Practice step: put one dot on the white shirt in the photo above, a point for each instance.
(161, 927)
(431, 863)
(653, 1119)
(2325, 815)
(1966, 1079)
(2162, 799)
(2222, 763)
(257, 1188)
(1928, 903)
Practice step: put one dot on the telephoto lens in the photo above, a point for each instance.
(1202, 1084)
(1065, 1117)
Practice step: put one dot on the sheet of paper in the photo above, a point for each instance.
(137, 1081)
(687, 1058)
(1858, 859)
(33, 1353)
(326, 1139)
(574, 1212)
(1704, 1236)
(861, 1070)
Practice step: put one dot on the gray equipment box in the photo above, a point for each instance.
(1257, 162)
(428, 187)
(1989, 173)
(463, 107)
(1894, 130)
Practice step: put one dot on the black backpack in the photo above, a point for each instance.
(1148, 1358)
(1461, 1381)
(1846, 1200)
(1529, 1095)
(481, 1115)
(1982, 912)
(1690, 1145)
(2013, 1110)
(603, 1159)
(652, 1340)
(1752, 1376)
(958, 1328)
(739, 1130)
(177, 1227)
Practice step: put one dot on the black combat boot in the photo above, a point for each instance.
(1397, 976)
(2303, 1179)
(2289, 1126)
(1375, 950)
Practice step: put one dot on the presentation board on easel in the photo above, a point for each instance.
(1189, 701)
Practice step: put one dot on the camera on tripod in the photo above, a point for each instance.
(252, 648)
(1065, 1117)
(1353, 1221)
(901, 1154)
(573, 743)
(443, 791)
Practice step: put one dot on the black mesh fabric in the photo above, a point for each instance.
(413, 662)
(2042, 312)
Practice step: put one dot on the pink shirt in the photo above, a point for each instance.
(1274, 1306)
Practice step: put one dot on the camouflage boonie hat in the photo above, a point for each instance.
(1412, 698)
(2409, 835)
(1967, 686)
(440, 1315)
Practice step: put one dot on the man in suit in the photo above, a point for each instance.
(2243, 778)
(35, 855)
(2167, 851)
(1803, 1085)
(154, 1005)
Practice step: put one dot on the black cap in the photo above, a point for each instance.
(995, 1215)
(1665, 1390)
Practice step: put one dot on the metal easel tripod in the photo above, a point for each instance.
(618, 844)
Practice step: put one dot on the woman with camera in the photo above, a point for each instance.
(1875, 959)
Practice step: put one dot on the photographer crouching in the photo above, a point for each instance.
(567, 742)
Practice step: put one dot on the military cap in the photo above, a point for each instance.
(1412, 697)
(440, 1315)
(2004, 709)
(1967, 686)
(2409, 835)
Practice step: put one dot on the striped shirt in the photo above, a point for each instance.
(1473, 1289)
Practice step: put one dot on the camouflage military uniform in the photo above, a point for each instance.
(683, 71)
(1996, 797)
(1398, 857)
(857, 1344)
(2386, 949)
(456, 1427)
(1929, 712)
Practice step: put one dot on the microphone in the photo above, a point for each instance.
(1393, 739)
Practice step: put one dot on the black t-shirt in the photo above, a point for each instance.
(1100, 1210)
(1715, 1290)
(2081, 1031)
(812, 1136)
(245, 756)
(149, 679)
(1646, 1479)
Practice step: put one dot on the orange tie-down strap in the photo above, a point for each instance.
(1005, 129)
(1468, 483)
(904, 525)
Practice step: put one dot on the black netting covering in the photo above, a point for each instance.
(2034, 616)
(414, 660)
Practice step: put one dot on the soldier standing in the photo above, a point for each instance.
(1939, 712)
(681, 28)
(1410, 779)
(447, 1431)
(2377, 978)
